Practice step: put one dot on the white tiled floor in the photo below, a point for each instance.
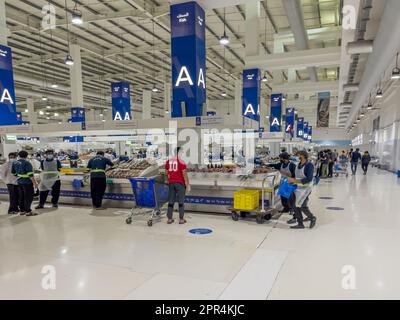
(98, 256)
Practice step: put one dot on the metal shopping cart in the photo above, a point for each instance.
(341, 169)
(149, 193)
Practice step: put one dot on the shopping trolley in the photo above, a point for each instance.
(341, 169)
(149, 193)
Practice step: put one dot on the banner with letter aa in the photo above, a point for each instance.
(276, 113)
(121, 101)
(290, 117)
(309, 134)
(324, 101)
(305, 131)
(78, 114)
(251, 94)
(188, 53)
(300, 127)
(8, 112)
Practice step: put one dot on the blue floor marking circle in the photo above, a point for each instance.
(200, 231)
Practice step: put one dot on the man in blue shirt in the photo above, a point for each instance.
(355, 158)
(26, 183)
(98, 180)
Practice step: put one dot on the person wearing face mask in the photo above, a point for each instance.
(12, 183)
(299, 200)
(286, 169)
(49, 180)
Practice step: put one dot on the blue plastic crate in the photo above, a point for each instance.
(149, 193)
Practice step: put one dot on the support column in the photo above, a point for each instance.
(4, 32)
(278, 48)
(167, 99)
(146, 105)
(76, 77)
(32, 115)
(238, 101)
(252, 37)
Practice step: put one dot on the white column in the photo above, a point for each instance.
(238, 101)
(278, 48)
(76, 77)
(32, 115)
(4, 32)
(167, 99)
(90, 115)
(252, 37)
(146, 104)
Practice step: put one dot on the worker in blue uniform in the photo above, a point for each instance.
(98, 180)
(26, 182)
(299, 200)
(73, 159)
(287, 169)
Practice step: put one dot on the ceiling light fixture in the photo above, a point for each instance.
(379, 94)
(26, 110)
(41, 113)
(44, 98)
(265, 78)
(54, 86)
(76, 15)
(224, 94)
(396, 70)
(224, 40)
(56, 114)
(69, 61)
(48, 107)
(155, 89)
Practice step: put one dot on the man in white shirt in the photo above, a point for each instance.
(12, 183)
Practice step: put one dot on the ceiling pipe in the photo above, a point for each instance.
(386, 45)
(295, 17)
(361, 46)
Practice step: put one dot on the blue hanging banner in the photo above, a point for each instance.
(276, 113)
(19, 118)
(188, 52)
(309, 134)
(121, 101)
(290, 116)
(73, 139)
(251, 94)
(78, 114)
(300, 127)
(8, 112)
(305, 131)
(211, 113)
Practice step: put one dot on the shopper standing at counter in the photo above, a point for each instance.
(12, 183)
(49, 180)
(98, 180)
(178, 186)
(26, 183)
(299, 199)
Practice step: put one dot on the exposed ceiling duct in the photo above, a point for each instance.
(362, 46)
(386, 45)
(294, 14)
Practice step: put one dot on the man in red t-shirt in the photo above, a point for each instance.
(178, 186)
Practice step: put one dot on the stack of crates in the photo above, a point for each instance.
(246, 200)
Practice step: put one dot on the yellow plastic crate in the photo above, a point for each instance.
(246, 199)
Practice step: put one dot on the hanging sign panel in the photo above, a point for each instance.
(276, 113)
(290, 116)
(188, 52)
(19, 118)
(305, 131)
(121, 101)
(251, 94)
(300, 127)
(309, 134)
(8, 113)
(78, 114)
(324, 101)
